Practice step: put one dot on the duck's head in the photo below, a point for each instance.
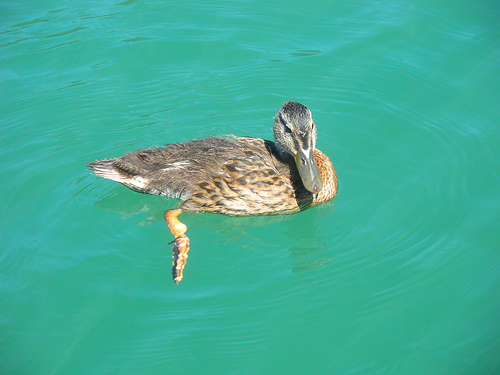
(295, 134)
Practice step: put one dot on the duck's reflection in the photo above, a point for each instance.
(307, 246)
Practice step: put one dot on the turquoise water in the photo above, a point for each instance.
(399, 274)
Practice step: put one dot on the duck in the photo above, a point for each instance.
(230, 175)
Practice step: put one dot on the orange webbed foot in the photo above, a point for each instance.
(181, 244)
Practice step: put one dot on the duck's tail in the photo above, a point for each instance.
(116, 170)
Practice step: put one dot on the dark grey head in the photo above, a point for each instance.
(295, 134)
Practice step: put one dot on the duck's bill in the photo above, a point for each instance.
(308, 170)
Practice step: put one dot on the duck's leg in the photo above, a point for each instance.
(181, 243)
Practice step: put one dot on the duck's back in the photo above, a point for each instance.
(176, 169)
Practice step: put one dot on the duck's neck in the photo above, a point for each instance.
(281, 150)
(328, 176)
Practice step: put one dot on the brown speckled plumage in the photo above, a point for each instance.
(257, 180)
(237, 176)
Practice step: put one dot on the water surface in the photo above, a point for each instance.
(399, 274)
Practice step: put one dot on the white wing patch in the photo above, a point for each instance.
(138, 181)
(176, 166)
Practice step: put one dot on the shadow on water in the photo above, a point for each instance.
(302, 240)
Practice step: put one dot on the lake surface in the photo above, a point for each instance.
(399, 274)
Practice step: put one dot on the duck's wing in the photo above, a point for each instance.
(173, 170)
(252, 182)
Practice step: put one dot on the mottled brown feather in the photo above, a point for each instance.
(232, 176)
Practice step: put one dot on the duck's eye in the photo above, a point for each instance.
(287, 129)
